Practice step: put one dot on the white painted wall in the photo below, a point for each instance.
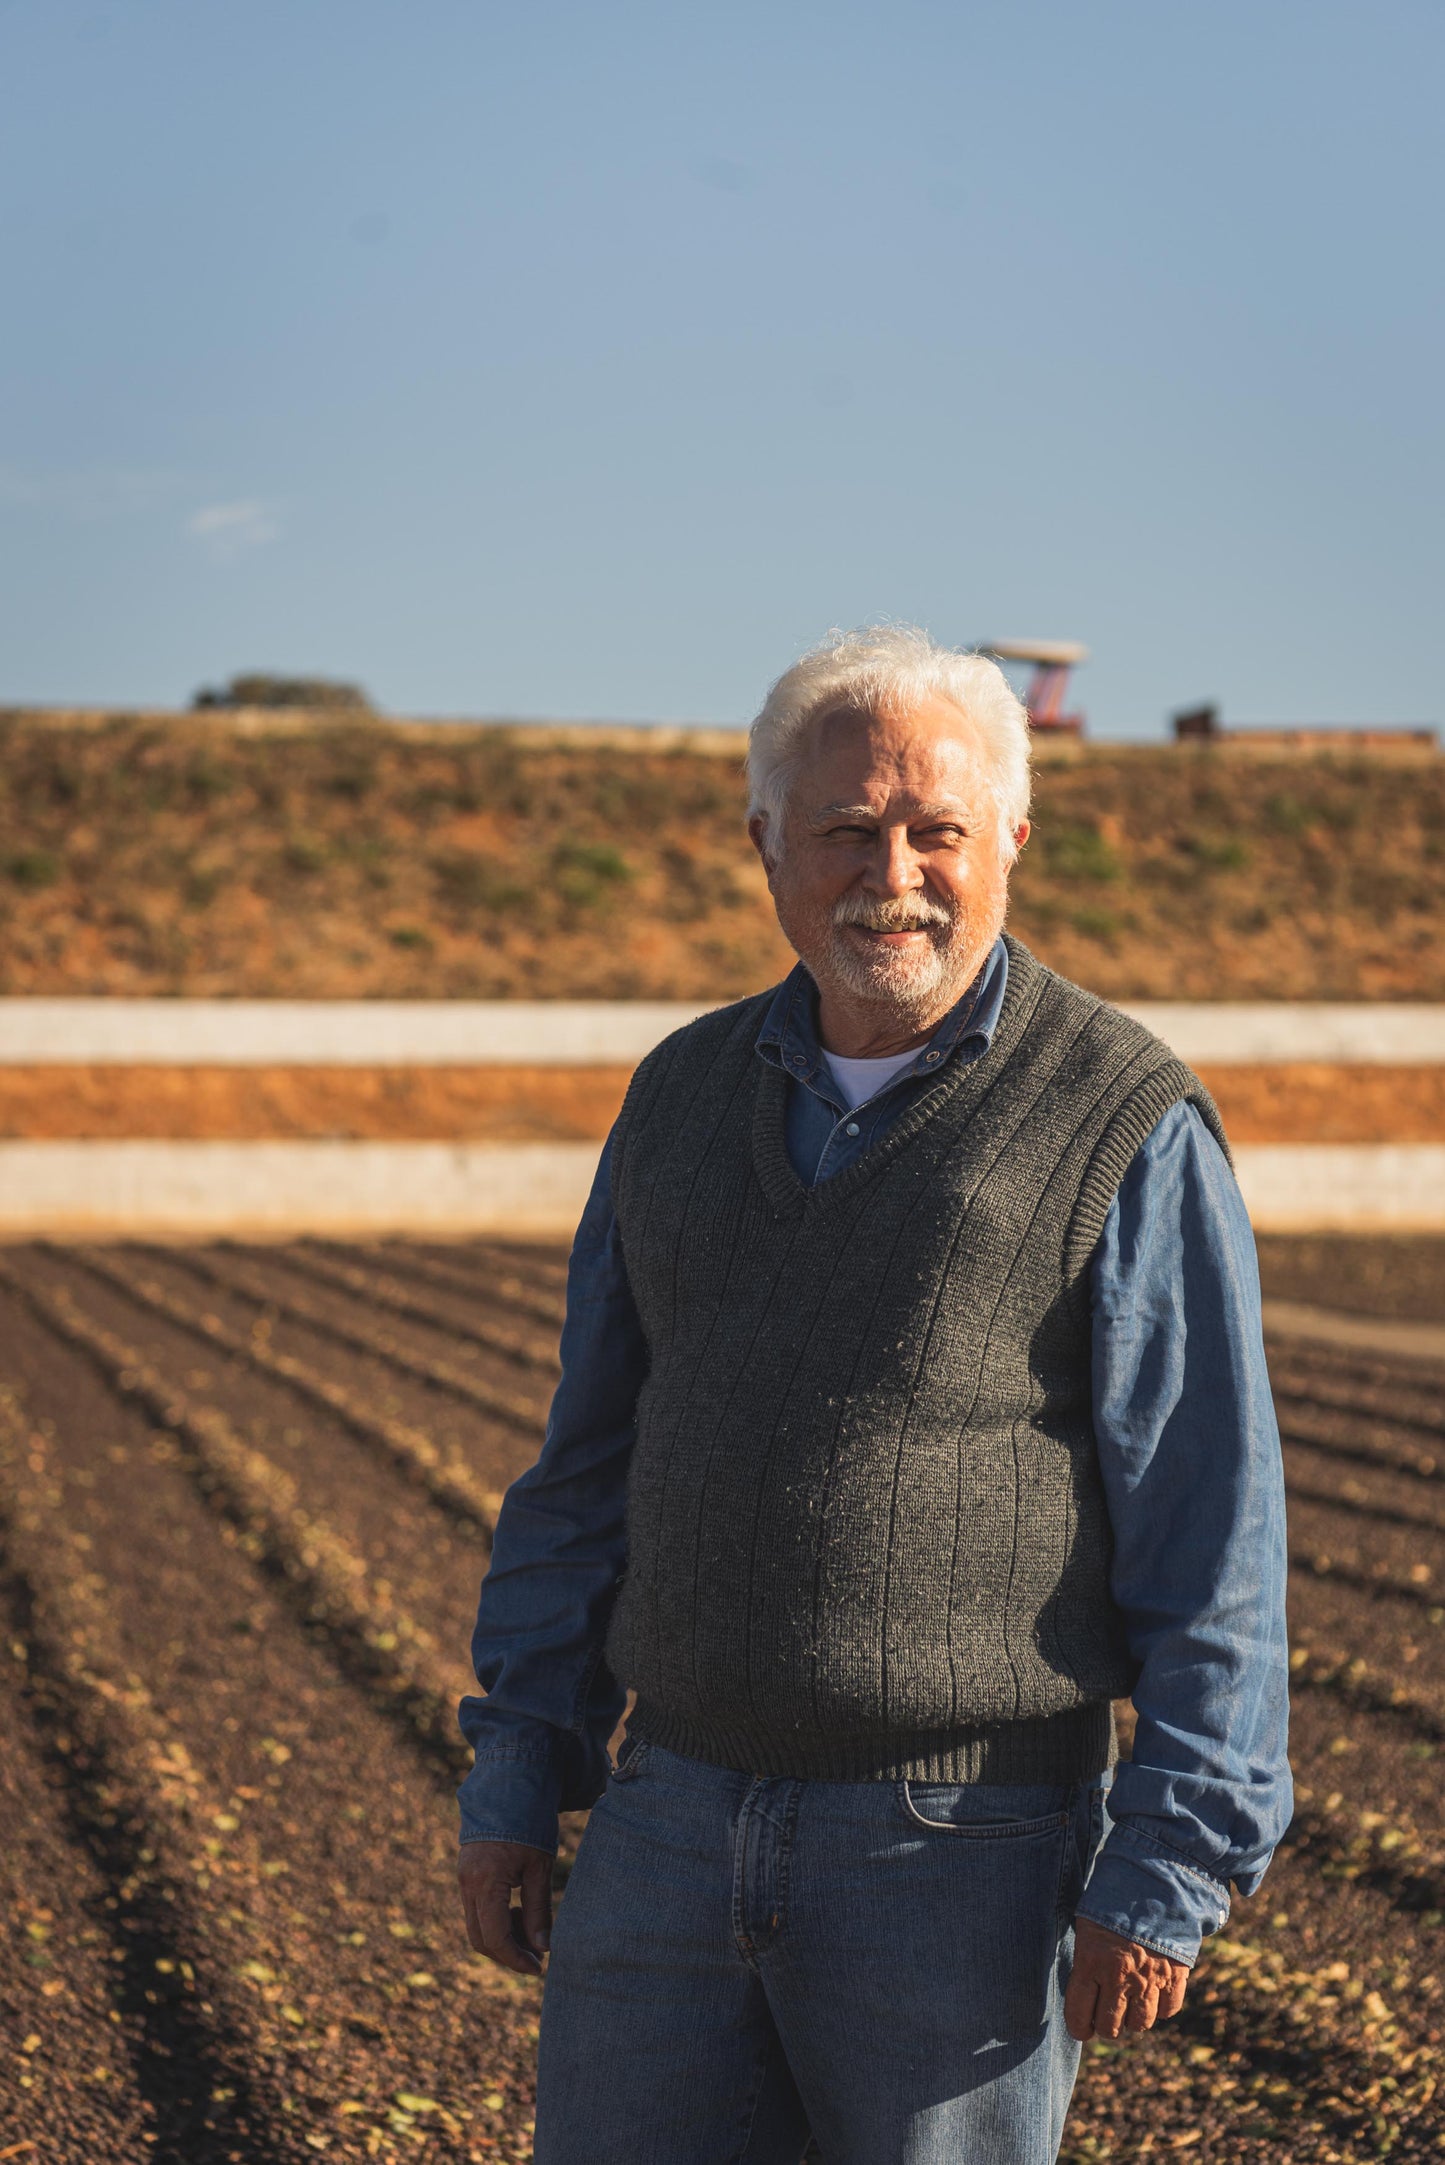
(335, 1033)
(582, 1033)
(92, 1188)
(73, 1188)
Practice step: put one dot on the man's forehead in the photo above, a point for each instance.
(932, 734)
(858, 759)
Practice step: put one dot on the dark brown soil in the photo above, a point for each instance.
(184, 854)
(1397, 1275)
(228, 1854)
(68, 2065)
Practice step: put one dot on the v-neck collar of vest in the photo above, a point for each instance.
(959, 1084)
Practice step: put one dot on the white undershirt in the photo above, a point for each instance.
(860, 1080)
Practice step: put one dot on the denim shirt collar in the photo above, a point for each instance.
(788, 1038)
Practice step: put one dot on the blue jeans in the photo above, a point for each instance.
(737, 1961)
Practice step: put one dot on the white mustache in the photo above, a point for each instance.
(904, 913)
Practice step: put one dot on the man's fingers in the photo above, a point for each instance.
(1080, 1999)
(1119, 1983)
(486, 1885)
(474, 1923)
(1112, 2009)
(495, 1938)
(487, 1872)
(498, 1938)
(537, 1904)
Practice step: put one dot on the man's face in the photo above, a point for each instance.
(889, 881)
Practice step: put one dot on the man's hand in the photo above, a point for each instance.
(487, 1872)
(1118, 1985)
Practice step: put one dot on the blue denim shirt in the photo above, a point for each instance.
(1191, 1467)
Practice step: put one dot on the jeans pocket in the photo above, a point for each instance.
(630, 1760)
(983, 1812)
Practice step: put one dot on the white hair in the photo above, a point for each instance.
(879, 669)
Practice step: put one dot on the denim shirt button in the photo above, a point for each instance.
(852, 1128)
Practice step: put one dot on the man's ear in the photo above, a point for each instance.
(758, 836)
(1022, 832)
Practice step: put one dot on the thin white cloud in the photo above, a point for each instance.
(230, 530)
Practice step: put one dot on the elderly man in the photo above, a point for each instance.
(913, 1410)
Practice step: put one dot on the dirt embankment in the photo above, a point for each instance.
(183, 855)
(1286, 1104)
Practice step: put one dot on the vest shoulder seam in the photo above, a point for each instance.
(1168, 1083)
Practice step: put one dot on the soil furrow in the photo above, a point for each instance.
(1358, 1479)
(1319, 1564)
(1382, 1394)
(378, 1645)
(1388, 1458)
(196, 2062)
(1396, 1863)
(1370, 1689)
(494, 1450)
(542, 1265)
(449, 1368)
(449, 1482)
(1382, 1443)
(68, 2082)
(380, 1291)
(524, 1412)
(324, 1878)
(424, 1564)
(1404, 1556)
(1367, 1804)
(1360, 1502)
(509, 1281)
(1396, 1275)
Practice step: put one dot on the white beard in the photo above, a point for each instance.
(905, 984)
(908, 986)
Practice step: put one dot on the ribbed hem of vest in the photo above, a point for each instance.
(1067, 1747)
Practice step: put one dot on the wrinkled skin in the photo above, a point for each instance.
(487, 1872)
(888, 870)
(1117, 1987)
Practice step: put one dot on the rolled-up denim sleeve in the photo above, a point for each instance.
(540, 1734)
(1190, 1455)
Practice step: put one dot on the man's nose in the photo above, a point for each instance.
(893, 868)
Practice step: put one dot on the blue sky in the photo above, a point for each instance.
(591, 361)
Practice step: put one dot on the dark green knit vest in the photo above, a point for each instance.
(867, 1535)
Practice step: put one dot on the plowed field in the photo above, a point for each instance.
(245, 1497)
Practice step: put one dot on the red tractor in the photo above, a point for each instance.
(1052, 660)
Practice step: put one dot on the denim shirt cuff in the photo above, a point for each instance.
(1153, 1895)
(511, 1797)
